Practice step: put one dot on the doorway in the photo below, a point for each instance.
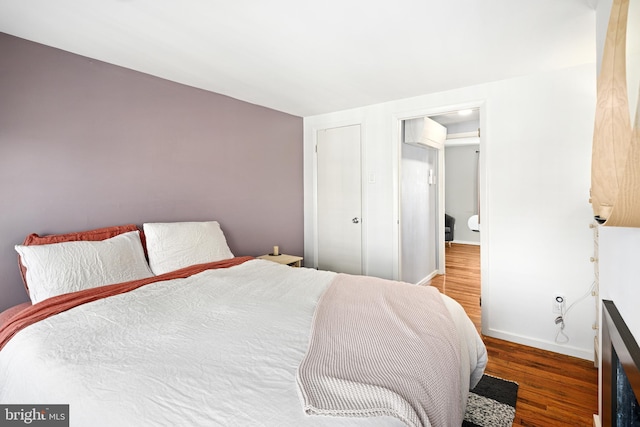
(462, 190)
(458, 186)
(462, 173)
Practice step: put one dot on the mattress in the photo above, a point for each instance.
(221, 347)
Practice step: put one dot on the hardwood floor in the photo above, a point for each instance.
(554, 390)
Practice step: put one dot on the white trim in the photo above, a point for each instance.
(462, 142)
(464, 135)
(427, 279)
(466, 242)
(541, 344)
(441, 186)
(596, 421)
(483, 185)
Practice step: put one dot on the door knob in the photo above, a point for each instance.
(355, 220)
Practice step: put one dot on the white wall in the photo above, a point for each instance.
(536, 145)
(620, 272)
(418, 210)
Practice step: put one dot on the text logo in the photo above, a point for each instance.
(34, 415)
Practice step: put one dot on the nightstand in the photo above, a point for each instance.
(290, 260)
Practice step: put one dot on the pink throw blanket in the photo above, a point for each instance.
(383, 348)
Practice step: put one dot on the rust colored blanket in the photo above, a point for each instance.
(379, 348)
(65, 302)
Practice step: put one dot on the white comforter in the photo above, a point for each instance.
(130, 359)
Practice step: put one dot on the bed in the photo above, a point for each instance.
(185, 333)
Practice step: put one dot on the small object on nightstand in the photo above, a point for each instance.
(290, 260)
(276, 251)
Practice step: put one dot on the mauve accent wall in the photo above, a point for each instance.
(85, 144)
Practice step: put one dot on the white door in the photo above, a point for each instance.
(339, 200)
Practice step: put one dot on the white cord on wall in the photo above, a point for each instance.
(561, 337)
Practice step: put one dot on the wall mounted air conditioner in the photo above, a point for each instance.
(423, 131)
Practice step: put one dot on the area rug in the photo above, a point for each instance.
(492, 403)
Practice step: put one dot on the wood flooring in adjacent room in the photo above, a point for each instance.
(555, 390)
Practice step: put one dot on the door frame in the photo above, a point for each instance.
(483, 186)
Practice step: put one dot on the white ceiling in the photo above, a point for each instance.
(307, 58)
(456, 117)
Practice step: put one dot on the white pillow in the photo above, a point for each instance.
(60, 268)
(175, 245)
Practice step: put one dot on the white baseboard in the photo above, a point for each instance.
(464, 242)
(426, 280)
(581, 353)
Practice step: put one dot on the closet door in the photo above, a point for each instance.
(339, 200)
